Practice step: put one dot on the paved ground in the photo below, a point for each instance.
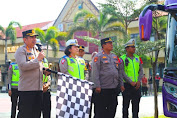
(146, 106)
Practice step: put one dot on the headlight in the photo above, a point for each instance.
(171, 89)
(171, 107)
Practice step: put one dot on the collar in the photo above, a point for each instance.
(130, 57)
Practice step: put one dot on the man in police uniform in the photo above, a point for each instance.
(132, 73)
(80, 55)
(106, 75)
(46, 103)
(31, 75)
(13, 78)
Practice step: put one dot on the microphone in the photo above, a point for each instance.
(49, 70)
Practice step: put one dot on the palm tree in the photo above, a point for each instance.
(9, 34)
(93, 24)
(52, 36)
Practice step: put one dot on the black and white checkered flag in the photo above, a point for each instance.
(73, 97)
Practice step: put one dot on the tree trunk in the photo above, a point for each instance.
(155, 91)
(5, 50)
(47, 49)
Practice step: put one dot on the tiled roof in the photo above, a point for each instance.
(28, 27)
(159, 13)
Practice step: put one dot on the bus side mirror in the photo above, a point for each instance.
(145, 25)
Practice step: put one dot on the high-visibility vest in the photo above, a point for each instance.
(76, 67)
(15, 75)
(45, 64)
(132, 69)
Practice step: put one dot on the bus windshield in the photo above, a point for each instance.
(171, 41)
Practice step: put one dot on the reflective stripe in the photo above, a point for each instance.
(14, 82)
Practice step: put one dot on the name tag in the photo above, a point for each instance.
(29, 54)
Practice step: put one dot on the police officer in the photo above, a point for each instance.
(106, 75)
(13, 78)
(46, 103)
(70, 63)
(31, 76)
(80, 55)
(132, 74)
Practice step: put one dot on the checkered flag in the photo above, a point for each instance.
(73, 97)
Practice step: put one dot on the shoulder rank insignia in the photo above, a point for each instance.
(104, 57)
(115, 57)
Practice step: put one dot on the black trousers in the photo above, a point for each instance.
(14, 98)
(105, 103)
(30, 104)
(144, 90)
(46, 104)
(157, 84)
(133, 95)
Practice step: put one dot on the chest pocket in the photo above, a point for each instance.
(105, 63)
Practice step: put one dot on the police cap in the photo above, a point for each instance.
(29, 33)
(105, 40)
(73, 42)
(81, 47)
(131, 42)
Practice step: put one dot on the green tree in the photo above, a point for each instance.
(124, 11)
(91, 23)
(52, 36)
(9, 33)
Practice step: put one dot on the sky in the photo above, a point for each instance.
(32, 11)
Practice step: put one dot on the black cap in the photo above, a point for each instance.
(81, 47)
(105, 40)
(29, 33)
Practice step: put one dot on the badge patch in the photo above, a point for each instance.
(16, 68)
(72, 61)
(29, 58)
(10, 67)
(95, 59)
(137, 60)
(63, 61)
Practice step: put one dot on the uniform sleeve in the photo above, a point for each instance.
(96, 71)
(124, 76)
(120, 78)
(64, 66)
(49, 80)
(20, 57)
(9, 77)
(140, 73)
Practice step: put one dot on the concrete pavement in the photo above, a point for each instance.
(146, 106)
